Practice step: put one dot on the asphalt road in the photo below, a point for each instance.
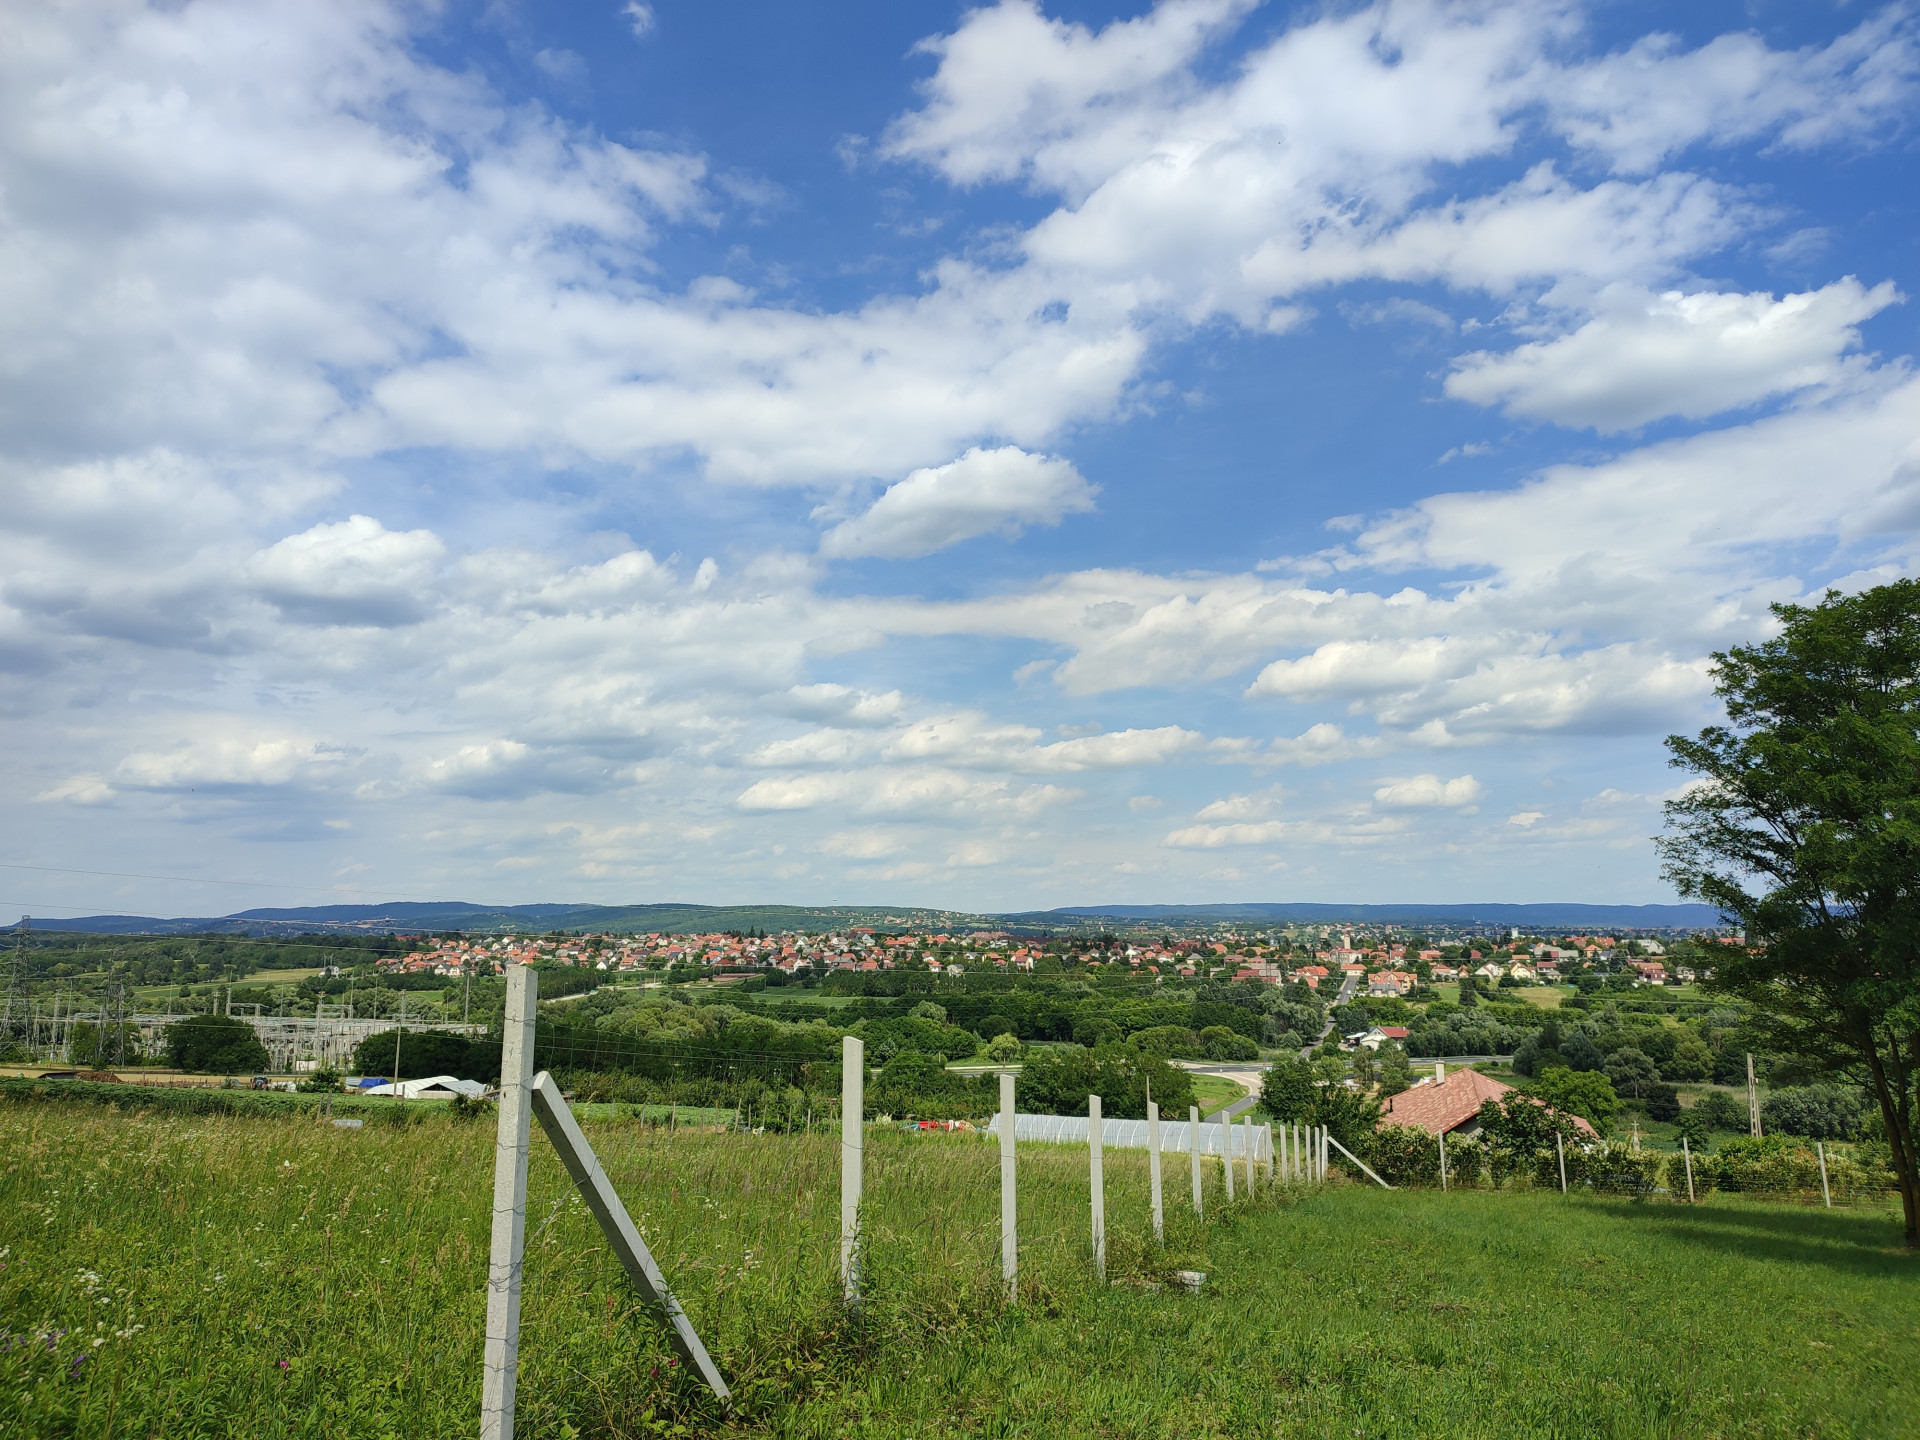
(1347, 988)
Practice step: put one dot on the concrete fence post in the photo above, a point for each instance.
(1825, 1193)
(1226, 1151)
(1246, 1146)
(1193, 1153)
(853, 1137)
(1097, 1183)
(1153, 1172)
(1443, 1161)
(1560, 1147)
(1267, 1131)
(1686, 1153)
(1009, 1234)
(507, 1255)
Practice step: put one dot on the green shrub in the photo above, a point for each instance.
(1405, 1155)
(215, 1045)
(919, 1085)
(1168, 1040)
(1720, 1110)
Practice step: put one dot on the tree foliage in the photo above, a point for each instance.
(1057, 1081)
(215, 1045)
(1585, 1093)
(1805, 831)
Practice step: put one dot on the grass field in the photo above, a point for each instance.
(242, 1277)
(1213, 1091)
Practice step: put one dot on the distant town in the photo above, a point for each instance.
(1387, 963)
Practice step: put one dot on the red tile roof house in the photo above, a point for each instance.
(1451, 1105)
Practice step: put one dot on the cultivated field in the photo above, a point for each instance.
(187, 1277)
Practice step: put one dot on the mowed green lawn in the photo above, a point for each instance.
(243, 1277)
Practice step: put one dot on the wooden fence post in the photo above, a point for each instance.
(508, 1250)
(1009, 1233)
(1193, 1152)
(1097, 1181)
(1153, 1172)
(853, 1135)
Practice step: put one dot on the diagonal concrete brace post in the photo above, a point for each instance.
(564, 1131)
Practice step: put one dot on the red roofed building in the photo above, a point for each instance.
(1452, 1105)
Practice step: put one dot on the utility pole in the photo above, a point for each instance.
(1753, 1100)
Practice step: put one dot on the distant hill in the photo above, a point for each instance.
(1548, 916)
(453, 915)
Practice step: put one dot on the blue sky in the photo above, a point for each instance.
(1005, 457)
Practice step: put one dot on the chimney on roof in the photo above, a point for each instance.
(1439, 1071)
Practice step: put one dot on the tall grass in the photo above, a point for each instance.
(237, 1276)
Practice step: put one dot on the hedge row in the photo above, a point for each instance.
(158, 1100)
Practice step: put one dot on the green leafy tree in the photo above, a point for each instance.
(1363, 1068)
(1586, 1093)
(215, 1045)
(1351, 1116)
(1818, 1112)
(1581, 1053)
(1720, 1110)
(1004, 1048)
(1663, 1102)
(1806, 833)
(427, 1052)
(1692, 1127)
(1396, 1071)
(1058, 1080)
(1632, 1070)
(1287, 1088)
(1691, 1060)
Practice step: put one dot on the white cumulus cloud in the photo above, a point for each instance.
(984, 492)
(1429, 791)
(1646, 356)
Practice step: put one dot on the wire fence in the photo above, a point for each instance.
(1778, 1168)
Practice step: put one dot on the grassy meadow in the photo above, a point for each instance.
(225, 1276)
